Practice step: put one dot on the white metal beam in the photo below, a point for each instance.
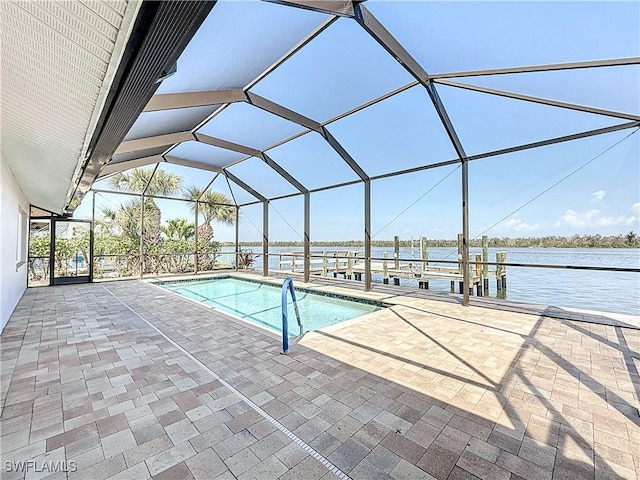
(169, 101)
(190, 163)
(283, 173)
(615, 62)
(282, 112)
(110, 169)
(152, 142)
(540, 100)
(234, 147)
(244, 186)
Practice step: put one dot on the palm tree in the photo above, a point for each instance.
(213, 207)
(151, 182)
(179, 229)
(135, 181)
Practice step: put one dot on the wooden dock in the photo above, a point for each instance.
(351, 265)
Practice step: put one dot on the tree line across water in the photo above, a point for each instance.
(628, 240)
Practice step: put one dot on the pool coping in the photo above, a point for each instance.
(261, 280)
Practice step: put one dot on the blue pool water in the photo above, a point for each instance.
(262, 304)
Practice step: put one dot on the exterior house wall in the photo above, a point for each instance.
(14, 220)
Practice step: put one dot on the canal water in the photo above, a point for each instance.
(593, 290)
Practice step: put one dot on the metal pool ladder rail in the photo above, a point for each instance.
(288, 284)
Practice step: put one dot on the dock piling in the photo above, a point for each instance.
(385, 271)
(485, 267)
(504, 271)
(396, 252)
(460, 254)
(479, 272)
(424, 253)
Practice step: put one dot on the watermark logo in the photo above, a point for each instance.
(51, 466)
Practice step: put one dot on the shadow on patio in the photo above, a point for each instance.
(406, 392)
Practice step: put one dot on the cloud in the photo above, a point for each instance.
(517, 224)
(598, 196)
(595, 218)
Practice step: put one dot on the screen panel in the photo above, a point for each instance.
(483, 35)
(245, 37)
(400, 132)
(340, 69)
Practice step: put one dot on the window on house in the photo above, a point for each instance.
(21, 244)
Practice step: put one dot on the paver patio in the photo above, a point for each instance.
(421, 390)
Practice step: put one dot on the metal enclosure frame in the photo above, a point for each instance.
(357, 12)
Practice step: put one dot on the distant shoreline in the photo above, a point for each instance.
(576, 241)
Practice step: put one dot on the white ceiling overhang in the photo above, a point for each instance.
(58, 61)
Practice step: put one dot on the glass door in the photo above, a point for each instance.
(39, 252)
(71, 245)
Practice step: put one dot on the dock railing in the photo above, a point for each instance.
(320, 261)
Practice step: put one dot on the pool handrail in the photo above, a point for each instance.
(288, 285)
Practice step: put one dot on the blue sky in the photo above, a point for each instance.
(344, 67)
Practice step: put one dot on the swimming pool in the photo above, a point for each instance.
(261, 303)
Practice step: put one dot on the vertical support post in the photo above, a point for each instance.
(195, 258)
(142, 236)
(92, 237)
(465, 230)
(396, 252)
(324, 263)
(307, 236)
(52, 251)
(349, 271)
(424, 253)
(237, 242)
(485, 267)
(367, 235)
(265, 238)
(335, 264)
(385, 272)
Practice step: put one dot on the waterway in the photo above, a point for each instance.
(617, 292)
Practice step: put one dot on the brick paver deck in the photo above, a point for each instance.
(421, 390)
